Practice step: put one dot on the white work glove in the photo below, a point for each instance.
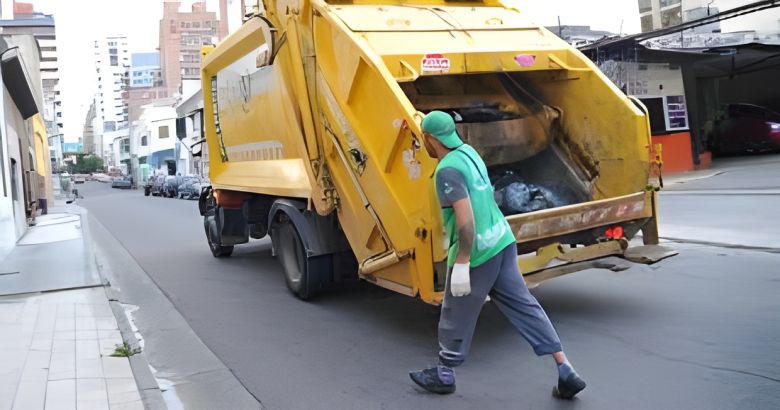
(460, 284)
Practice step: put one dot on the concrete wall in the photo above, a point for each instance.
(15, 129)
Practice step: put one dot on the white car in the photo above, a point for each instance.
(79, 179)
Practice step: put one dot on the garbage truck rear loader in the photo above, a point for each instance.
(312, 119)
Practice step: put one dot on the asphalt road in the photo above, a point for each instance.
(698, 331)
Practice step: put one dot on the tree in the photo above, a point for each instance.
(85, 164)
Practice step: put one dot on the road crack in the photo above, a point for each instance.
(651, 352)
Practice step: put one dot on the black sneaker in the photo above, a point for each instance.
(569, 388)
(439, 379)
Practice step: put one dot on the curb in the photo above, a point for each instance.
(150, 392)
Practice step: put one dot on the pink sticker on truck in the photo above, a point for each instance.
(435, 63)
(525, 60)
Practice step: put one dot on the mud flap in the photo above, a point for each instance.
(649, 254)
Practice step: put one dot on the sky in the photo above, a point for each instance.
(80, 23)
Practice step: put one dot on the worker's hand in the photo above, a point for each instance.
(460, 283)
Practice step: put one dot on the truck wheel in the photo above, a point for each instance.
(217, 250)
(289, 247)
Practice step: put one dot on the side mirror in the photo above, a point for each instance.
(197, 148)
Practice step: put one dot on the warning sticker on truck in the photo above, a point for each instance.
(435, 63)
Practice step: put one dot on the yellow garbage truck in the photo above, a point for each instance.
(312, 121)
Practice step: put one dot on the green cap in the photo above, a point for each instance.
(442, 127)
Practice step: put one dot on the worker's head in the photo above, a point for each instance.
(440, 133)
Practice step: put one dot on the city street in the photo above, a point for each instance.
(697, 331)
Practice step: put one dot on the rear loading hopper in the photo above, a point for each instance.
(341, 100)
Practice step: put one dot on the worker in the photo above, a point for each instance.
(482, 260)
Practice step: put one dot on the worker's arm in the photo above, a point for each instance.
(452, 191)
(464, 220)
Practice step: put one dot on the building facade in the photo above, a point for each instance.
(182, 34)
(25, 170)
(145, 70)
(21, 18)
(658, 14)
(112, 66)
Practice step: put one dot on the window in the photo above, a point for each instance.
(112, 51)
(114, 61)
(196, 24)
(671, 17)
(163, 132)
(144, 140)
(645, 6)
(126, 145)
(675, 108)
(667, 3)
(647, 23)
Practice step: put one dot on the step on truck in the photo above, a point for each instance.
(312, 114)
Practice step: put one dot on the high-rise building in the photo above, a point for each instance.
(182, 34)
(21, 18)
(146, 83)
(89, 131)
(658, 14)
(145, 70)
(112, 67)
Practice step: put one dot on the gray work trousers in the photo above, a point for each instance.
(500, 277)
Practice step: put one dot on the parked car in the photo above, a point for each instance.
(121, 182)
(191, 186)
(185, 187)
(79, 179)
(171, 186)
(158, 185)
(103, 178)
(745, 128)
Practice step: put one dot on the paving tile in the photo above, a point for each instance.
(86, 335)
(93, 310)
(64, 310)
(86, 323)
(14, 337)
(67, 323)
(122, 391)
(37, 363)
(107, 347)
(65, 335)
(117, 367)
(87, 349)
(135, 405)
(61, 395)
(31, 392)
(42, 341)
(63, 360)
(106, 323)
(109, 334)
(63, 346)
(89, 368)
(47, 318)
(91, 394)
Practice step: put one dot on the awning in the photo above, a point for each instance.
(18, 82)
(192, 104)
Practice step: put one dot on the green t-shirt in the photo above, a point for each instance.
(462, 174)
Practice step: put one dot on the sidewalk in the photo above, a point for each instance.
(58, 328)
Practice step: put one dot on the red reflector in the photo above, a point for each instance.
(618, 232)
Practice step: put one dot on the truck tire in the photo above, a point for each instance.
(217, 250)
(292, 255)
